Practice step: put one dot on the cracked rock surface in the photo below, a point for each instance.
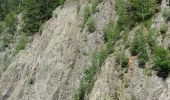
(52, 65)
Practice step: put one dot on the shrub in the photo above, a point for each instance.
(161, 61)
(135, 47)
(6, 39)
(107, 31)
(148, 72)
(90, 71)
(86, 13)
(125, 36)
(160, 56)
(10, 19)
(122, 60)
(123, 19)
(93, 6)
(141, 10)
(148, 23)
(143, 57)
(7, 28)
(31, 80)
(133, 11)
(1, 27)
(138, 47)
(10, 22)
(111, 33)
(102, 56)
(21, 43)
(61, 2)
(151, 39)
(37, 12)
(91, 25)
(81, 92)
(166, 14)
(163, 28)
(2, 46)
(97, 61)
(6, 62)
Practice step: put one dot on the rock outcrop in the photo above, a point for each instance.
(52, 65)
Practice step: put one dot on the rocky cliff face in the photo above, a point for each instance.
(52, 65)
(134, 83)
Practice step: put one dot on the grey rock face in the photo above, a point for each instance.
(114, 84)
(131, 83)
(51, 67)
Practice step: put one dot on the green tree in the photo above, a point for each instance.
(37, 12)
(161, 61)
(141, 9)
(123, 19)
(138, 47)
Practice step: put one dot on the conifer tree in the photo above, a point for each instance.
(142, 9)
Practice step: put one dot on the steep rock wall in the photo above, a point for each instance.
(51, 67)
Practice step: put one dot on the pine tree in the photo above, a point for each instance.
(142, 9)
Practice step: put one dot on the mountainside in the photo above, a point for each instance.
(82, 54)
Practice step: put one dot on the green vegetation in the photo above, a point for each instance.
(10, 22)
(91, 71)
(97, 60)
(35, 12)
(138, 43)
(21, 43)
(148, 23)
(161, 60)
(132, 12)
(163, 28)
(81, 92)
(148, 72)
(141, 10)
(143, 57)
(138, 47)
(86, 16)
(91, 25)
(6, 6)
(7, 30)
(166, 14)
(151, 39)
(160, 56)
(6, 62)
(31, 80)
(6, 39)
(122, 60)
(111, 33)
(86, 13)
(94, 4)
(129, 13)
(123, 14)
